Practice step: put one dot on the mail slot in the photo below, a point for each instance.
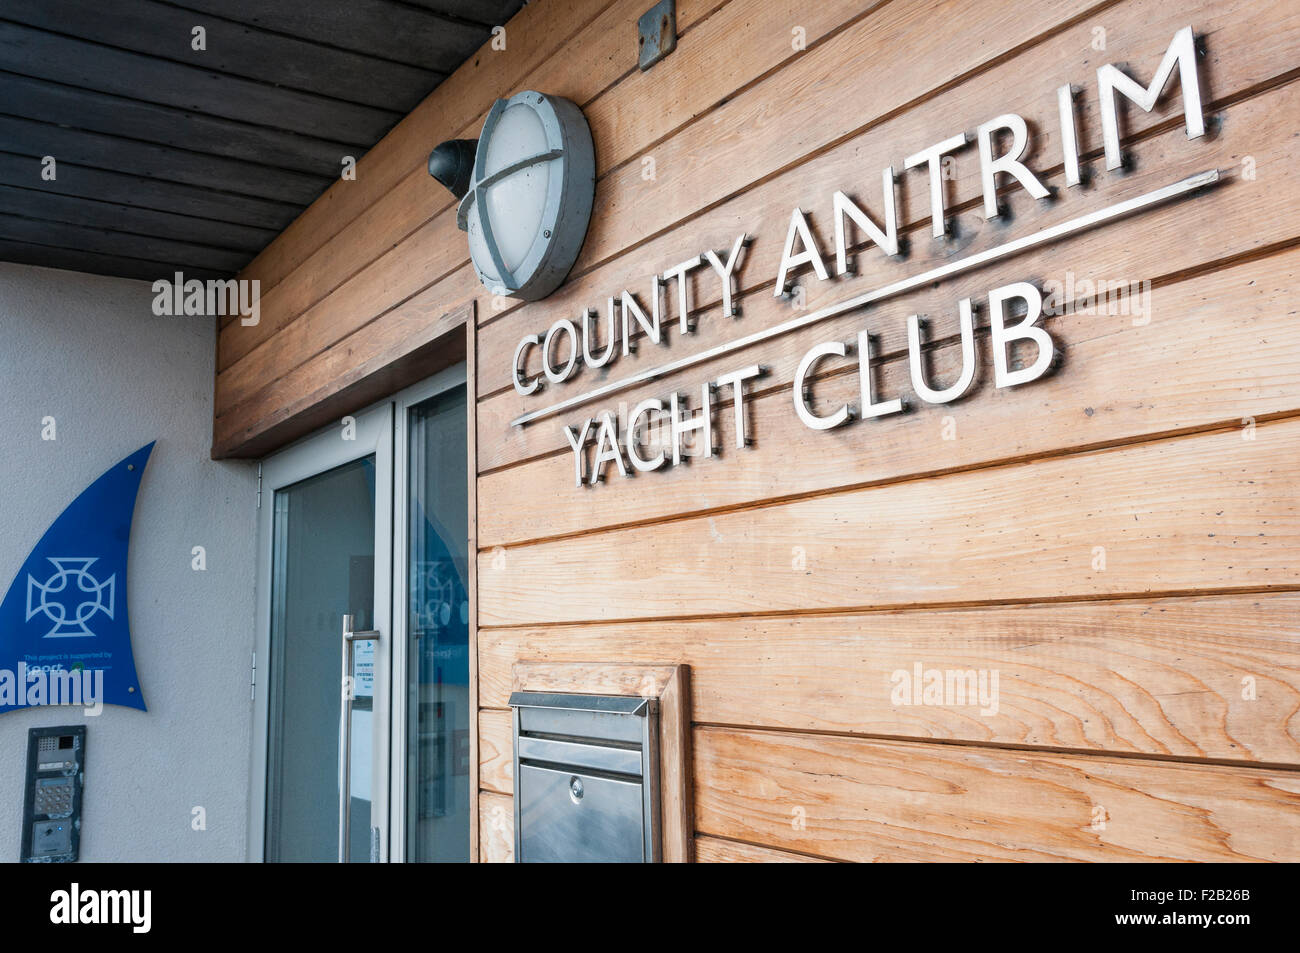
(586, 778)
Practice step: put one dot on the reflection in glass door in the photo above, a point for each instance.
(323, 568)
(363, 638)
(321, 770)
(437, 630)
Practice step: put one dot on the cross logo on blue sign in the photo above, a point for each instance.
(70, 597)
(67, 609)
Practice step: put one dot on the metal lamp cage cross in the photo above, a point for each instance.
(570, 191)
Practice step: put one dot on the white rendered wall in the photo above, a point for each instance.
(89, 352)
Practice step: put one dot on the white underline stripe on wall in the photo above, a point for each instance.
(1091, 220)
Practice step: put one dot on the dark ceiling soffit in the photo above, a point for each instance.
(169, 157)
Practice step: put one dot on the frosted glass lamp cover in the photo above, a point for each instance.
(528, 205)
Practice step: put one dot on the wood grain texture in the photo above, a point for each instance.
(413, 214)
(1171, 355)
(183, 255)
(1149, 246)
(296, 326)
(1238, 42)
(401, 32)
(1162, 677)
(715, 850)
(875, 800)
(998, 32)
(94, 263)
(534, 35)
(1246, 44)
(495, 752)
(36, 136)
(1240, 52)
(344, 379)
(1210, 511)
(591, 678)
(812, 104)
(496, 826)
(53, 207)
(103, 185)
(795, 580)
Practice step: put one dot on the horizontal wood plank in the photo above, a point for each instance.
(533, 38)
(1114, 385)
(94, 263)
(50, 206)
(800, 110)
(37, 138)
(347, 379)
(715, 850)
(162, 30)
(394, 193)
(405, 274)
(1210, 511)
(396, 31)
(1240, 55)
(1147, 246)
(299, 320)
(237, 382)
(109, 242)
(437, 247)
(126, 189)
(71, 61)
(169, 125)
(1214, 677)
(875, 800)
(1247, 44)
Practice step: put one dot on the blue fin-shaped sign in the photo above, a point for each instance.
(66, 612)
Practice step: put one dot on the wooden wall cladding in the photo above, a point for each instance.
(859, 799)
(1119, 542)
(378, 256)
(1207, 511)
(1160, 677)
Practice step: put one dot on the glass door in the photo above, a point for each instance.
(322, 670)
(362, 671)
(433, 621)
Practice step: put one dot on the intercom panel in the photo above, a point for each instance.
(56, 772)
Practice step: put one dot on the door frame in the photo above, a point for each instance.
(381, 430)
(445, 380)
(308, 457)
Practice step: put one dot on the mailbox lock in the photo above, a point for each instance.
(575, 789)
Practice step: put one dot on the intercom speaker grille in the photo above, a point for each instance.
(48, 743)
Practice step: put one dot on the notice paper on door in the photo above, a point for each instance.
(363, 669)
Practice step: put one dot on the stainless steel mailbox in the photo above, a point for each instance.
(586, 778)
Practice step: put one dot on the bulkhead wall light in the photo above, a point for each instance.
(526, 198)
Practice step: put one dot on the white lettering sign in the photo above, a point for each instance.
(670, 428)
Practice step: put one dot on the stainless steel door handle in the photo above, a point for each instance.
(350, 638)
